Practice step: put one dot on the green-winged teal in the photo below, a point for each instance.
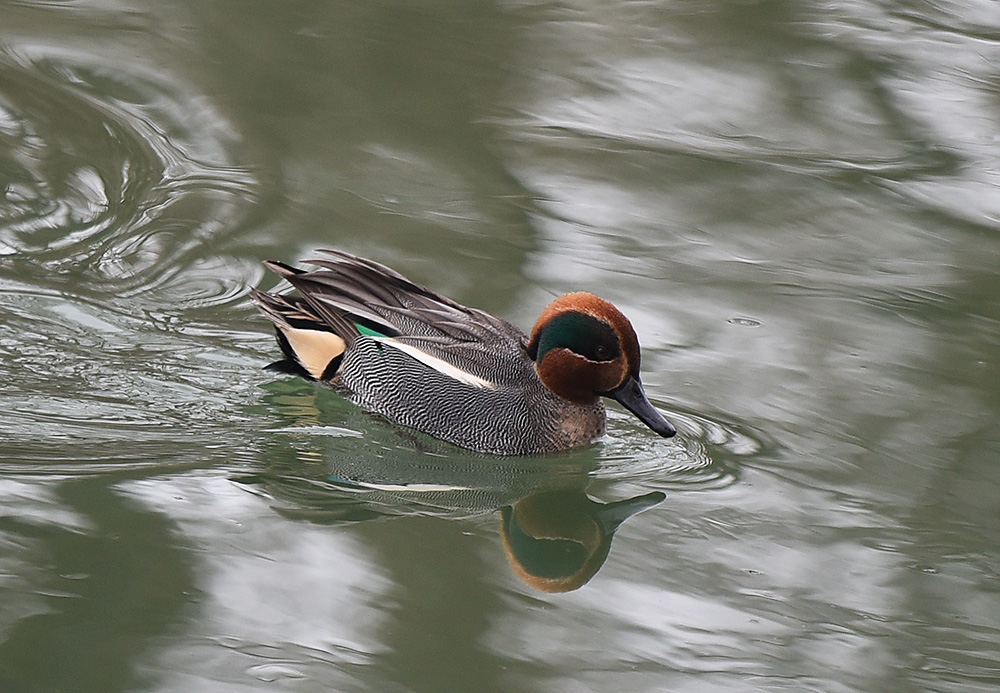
(421, 360)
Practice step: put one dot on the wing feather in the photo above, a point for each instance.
(346, 291)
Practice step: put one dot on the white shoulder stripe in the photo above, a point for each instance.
(440, 365)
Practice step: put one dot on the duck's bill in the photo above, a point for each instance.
(610, 516)
(631, 396)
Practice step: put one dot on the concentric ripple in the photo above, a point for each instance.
(118, 193)
(703, 454)
(107, 174)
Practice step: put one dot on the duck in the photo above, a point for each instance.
(425, 362)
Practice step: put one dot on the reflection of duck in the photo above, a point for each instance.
(459, 374)
(554, 535)
(327, 482)
(557, 540)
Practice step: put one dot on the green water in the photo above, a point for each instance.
(797, 204)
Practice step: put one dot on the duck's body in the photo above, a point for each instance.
(456, 373)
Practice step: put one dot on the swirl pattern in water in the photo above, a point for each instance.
(108, 174)
(116, 201)
(703, 454)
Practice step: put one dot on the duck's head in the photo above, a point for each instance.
(584, 349)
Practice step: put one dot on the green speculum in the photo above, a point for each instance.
(367, 331)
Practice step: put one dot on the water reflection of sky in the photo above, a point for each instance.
(796, 206)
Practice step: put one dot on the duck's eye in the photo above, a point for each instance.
(601, 352)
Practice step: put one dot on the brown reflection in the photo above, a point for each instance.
(109, 589)
(557, 540)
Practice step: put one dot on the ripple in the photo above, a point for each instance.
(117, 189)
(111, 184)
(703, 454)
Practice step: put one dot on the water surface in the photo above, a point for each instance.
(797, 205)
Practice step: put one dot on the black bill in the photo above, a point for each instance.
(631, 396)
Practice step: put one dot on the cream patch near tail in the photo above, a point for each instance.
(314, 349)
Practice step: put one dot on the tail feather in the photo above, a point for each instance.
(281, 269)
(362, 283)
(290, 364)
(312, 338)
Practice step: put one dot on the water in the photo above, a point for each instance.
(798, 205)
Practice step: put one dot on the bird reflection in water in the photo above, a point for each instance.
(554, 535)
(557, 540)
